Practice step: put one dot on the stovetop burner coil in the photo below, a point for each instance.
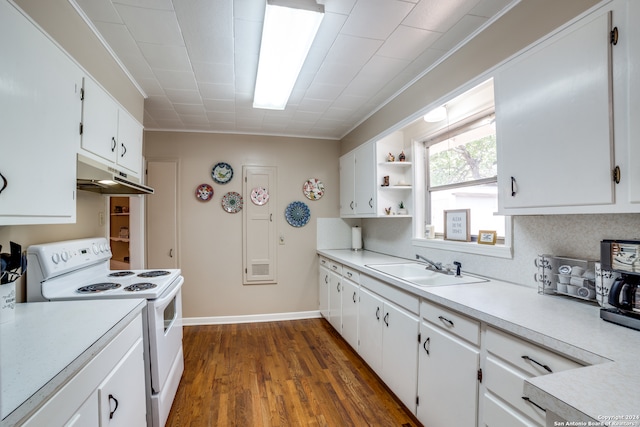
(154, 273)
(143, 286)
(98, 287)
(121, 273)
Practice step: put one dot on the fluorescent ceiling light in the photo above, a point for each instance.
(438, 114)
(287, 35)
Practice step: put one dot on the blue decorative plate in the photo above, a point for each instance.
(222, 173)
(297, 214)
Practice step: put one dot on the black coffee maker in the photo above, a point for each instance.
(622, 256)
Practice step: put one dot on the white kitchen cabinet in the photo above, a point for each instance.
(116, 371)
(447, 368)
(555, 133)
(335, 296)
(349, 291)
(40, 106)
(358, 182)
(110, 133)
(388, 339)
(323, 288)
(508, 362)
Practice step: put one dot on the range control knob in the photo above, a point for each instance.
(55, 257)
(65, 256)
(95, 249)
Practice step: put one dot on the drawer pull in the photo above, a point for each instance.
(427, 341)
(326, 279)
(537, 363)
(377, 313)
(386, 319)
(526, 399)
(445, 320)
(354, 297)
(338, 287)
(111, 413)
(349, 274)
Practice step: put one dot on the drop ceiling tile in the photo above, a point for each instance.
(189, 109)
(207, 72)
(183, 96)
(249, 10)
(149, 4)
(166, 57)
(194, 119)
(387, 14)
(324, 91)
(407, 42)
(151, 87)
(118, 38)
(165, 115)
(221, 117)
(169, 124)
(157, 103)
(151, 25)
(99, 11)
(355, 51)
(339, 6)
(438, 15)
(314, 105)
(459, 32)
(138, 67)
(217, 91)
(218, 105)
(182, 80)
(489, 8)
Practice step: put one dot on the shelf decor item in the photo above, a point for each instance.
(456, 225)
(222, 173)
(232, 202)
(313, 189)
(259, 196)
(487, 237)
(297, 214)
(401, 209)
(402, 157)
(204, 192)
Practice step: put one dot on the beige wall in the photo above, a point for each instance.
(210, 239)
(525, 23)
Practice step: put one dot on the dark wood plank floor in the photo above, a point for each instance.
(294, 373)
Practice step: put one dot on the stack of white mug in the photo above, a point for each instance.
(604, 280)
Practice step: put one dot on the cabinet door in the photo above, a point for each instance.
(447, 379)
(122, 394)
(323, 291)
(400, 354)
(350, 312)
(259, 248)
(99, 122)
(370, 312)
(129, 142)
(40, 110)
(554, 133)
(365, 180)
(335, 301)
(161, 217)
(347, 183)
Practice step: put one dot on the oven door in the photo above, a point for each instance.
(165, 333)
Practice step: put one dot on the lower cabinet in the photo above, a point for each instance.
(509, 361)
(323, 290)
(108, 391)
(447, 368)
(335, 300)
(349, 291)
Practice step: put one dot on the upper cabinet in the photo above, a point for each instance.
(357, 182)
(40, 107)
(108, 131)
(562, 113)
(375, 179)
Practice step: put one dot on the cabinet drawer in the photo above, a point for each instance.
(497, 413)
(456, 323)
(508, 384)
(526, 356)
(397, 296)
(351, 274)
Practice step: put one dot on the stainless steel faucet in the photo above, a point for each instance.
(436, 265)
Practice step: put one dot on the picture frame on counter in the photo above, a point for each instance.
(487, 237)
(456, 225)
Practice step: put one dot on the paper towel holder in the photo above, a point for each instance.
(356, 238)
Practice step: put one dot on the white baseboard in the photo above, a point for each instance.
(250, 318)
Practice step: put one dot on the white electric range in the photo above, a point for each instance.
(79, 269)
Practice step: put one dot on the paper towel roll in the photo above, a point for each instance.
(356, 238)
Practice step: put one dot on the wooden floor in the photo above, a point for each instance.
(294, 373)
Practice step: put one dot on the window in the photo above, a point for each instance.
(460, 168)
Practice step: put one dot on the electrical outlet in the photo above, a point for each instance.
(282, 239)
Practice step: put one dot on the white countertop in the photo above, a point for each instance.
(610, 387)
(49, 342)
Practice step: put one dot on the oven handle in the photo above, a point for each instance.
(161, 303)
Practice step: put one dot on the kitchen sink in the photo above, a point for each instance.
(419, 275)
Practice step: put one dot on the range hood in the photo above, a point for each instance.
(99, 178)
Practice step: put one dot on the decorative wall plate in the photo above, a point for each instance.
(297, 214)
(204, 192)
(313, 189)
(259, 196)
(232, 202)
(222, 173)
